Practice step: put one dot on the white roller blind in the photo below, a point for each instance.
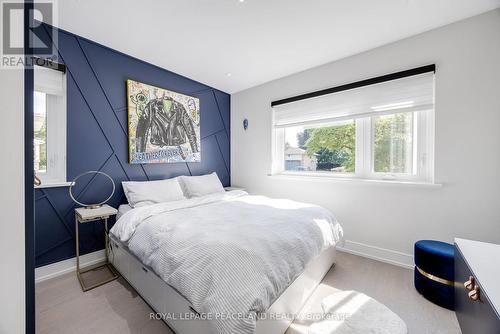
(49, 81)
(414, 93)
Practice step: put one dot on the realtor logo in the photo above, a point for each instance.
(42, 40)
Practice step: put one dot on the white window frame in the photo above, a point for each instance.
(56, 113)
(423, 151)
(423, 144)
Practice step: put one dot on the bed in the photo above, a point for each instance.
(226, 262)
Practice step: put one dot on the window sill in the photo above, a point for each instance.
(54, 185)
(343, 179)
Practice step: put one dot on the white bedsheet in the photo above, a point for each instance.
(230, 254)
(122, 209)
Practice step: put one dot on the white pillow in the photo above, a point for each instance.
(195, 186)
(151, 192)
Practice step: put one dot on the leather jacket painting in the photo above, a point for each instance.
(165, 122)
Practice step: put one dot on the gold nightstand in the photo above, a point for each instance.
(85, 215)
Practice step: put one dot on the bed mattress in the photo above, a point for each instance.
(230, 255)
(175, 310)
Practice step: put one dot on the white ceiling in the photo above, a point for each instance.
(255, 40)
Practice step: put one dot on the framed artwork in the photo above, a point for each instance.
(163, 126)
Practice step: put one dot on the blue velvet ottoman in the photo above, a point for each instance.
(434, 272)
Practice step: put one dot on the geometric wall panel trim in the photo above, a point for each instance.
(97, 139)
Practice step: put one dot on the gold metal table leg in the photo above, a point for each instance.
(106, 238)
(107, 264)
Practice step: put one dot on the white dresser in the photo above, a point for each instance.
(477, 287)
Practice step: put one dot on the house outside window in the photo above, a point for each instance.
(297, 159)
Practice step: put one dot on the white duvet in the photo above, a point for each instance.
(229, 254)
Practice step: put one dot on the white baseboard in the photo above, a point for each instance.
(372, 252)
(69, 265)
(377, 253)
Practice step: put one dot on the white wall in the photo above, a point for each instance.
(467, 163)
(12, 308)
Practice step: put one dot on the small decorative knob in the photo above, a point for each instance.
(37, 181)
(469, 285)
(474, 295)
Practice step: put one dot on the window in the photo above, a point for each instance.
(321, 148)
(50, 126)
(380, 131)
(393, 143)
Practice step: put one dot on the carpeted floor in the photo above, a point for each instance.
(63, 308)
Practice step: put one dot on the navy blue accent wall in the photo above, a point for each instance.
(97, 139)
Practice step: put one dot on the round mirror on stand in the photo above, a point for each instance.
(91, 205)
